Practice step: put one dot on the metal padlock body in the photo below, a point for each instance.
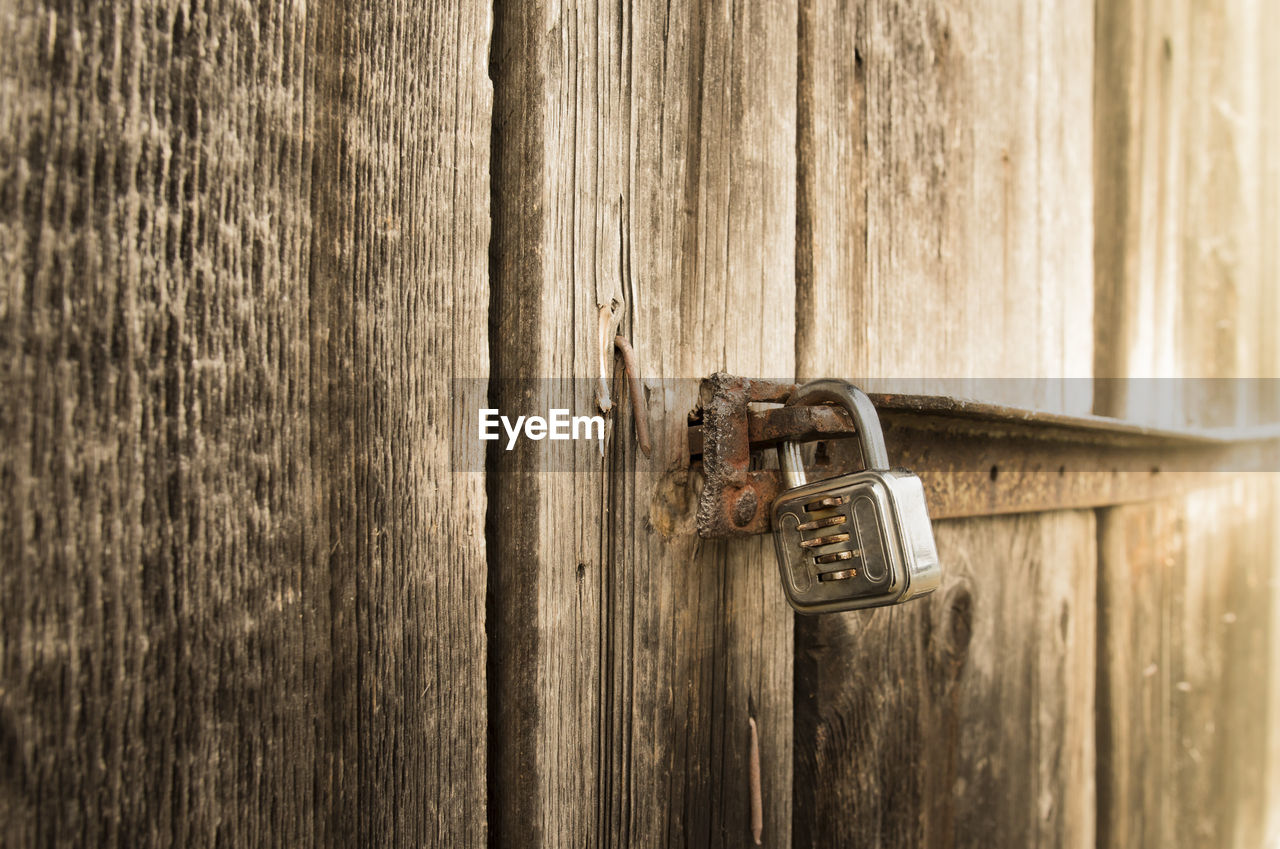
(858, 540)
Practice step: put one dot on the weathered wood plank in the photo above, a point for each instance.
(944, 218)
(244, 248)
(963, 720)
(944, 231)
(1271, 785)
(1185, 616)
(1185, 275)
(644, 160)
(1186, 290)
(1137, 179)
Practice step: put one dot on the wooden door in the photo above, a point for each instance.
(264, 264)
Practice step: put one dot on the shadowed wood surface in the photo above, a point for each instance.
(944, 231)
(646, 159)
(244, 250)
(965, 719)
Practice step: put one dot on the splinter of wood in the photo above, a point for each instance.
(639, 410)
(606, 326)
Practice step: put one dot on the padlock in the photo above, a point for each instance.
(858, 540)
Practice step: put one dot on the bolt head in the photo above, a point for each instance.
(744, 509)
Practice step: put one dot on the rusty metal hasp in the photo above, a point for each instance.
(974, 458)
(736, 499)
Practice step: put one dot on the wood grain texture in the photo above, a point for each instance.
(244, 250)
(944, 231)
(1185, 614)
(965, 719)
(644, 160)
(1186, 216)
(1271, 787)
(1186, 290)
(945, 219)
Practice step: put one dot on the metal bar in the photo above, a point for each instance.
(974, 459)
(639, 410)
(767, 428)
(987, 467)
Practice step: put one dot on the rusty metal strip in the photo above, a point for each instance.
(735, 498)
(974, 459)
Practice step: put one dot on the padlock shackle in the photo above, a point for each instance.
(865, 419)
(792, 465)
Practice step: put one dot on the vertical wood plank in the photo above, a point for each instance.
(942, 213)
(1185, 138)
(644, 159)
(965, 720)
(1138, 177)
(1185, 282)
(1185, 615)
(244, 250)
(944, 231)
(1271, 788)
